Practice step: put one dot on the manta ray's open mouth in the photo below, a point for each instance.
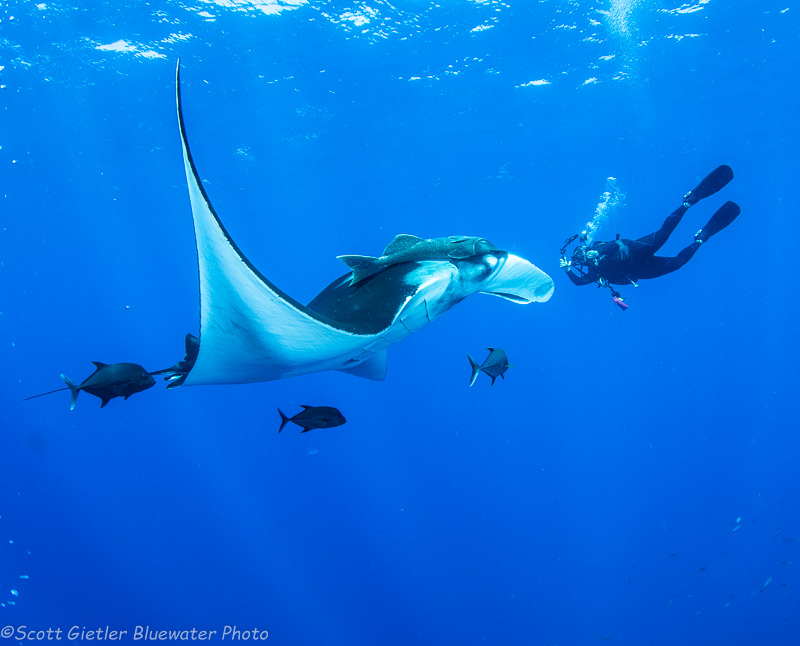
(519, 281)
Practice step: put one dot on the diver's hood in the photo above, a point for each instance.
(519, 281)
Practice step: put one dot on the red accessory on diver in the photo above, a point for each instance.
(620, 303)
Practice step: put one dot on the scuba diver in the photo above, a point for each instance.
(624, 261)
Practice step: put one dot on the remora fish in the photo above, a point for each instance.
(408, 248)
(107, 382)
(314, 417)
(495, 365)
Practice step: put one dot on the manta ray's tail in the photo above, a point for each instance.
(476, 370)
(73, 391)
(362, 266)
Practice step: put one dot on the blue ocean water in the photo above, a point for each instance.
(635, 477)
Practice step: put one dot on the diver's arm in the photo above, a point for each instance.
(578, 279)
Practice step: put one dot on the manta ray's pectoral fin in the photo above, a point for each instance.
(373, 368)
(251, 331)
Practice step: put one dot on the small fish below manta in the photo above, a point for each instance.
(251, 331)
(107, 382)
(495, 365)
(312, 417)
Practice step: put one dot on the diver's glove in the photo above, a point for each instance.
(565, 264)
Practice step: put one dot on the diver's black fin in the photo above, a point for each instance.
(716, 180)
(722, 218)
(284, 420)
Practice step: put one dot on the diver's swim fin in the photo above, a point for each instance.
(722, 218)
(716, 180)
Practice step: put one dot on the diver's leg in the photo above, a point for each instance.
(657, 239)
(713, 182)
(660, 266)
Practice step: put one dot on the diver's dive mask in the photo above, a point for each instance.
(579, 256)
(585, 256)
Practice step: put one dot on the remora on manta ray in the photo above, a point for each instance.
(251, 331)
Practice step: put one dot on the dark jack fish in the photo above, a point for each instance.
(408, 248)
(495, 365)
(314, 417)
(107, 382)
(176, 375)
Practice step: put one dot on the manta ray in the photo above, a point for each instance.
(251, 331)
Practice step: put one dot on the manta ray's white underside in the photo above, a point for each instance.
(250, 331)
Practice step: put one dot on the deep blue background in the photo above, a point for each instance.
(593, 494)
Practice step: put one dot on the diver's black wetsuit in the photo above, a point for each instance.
(625, 261)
